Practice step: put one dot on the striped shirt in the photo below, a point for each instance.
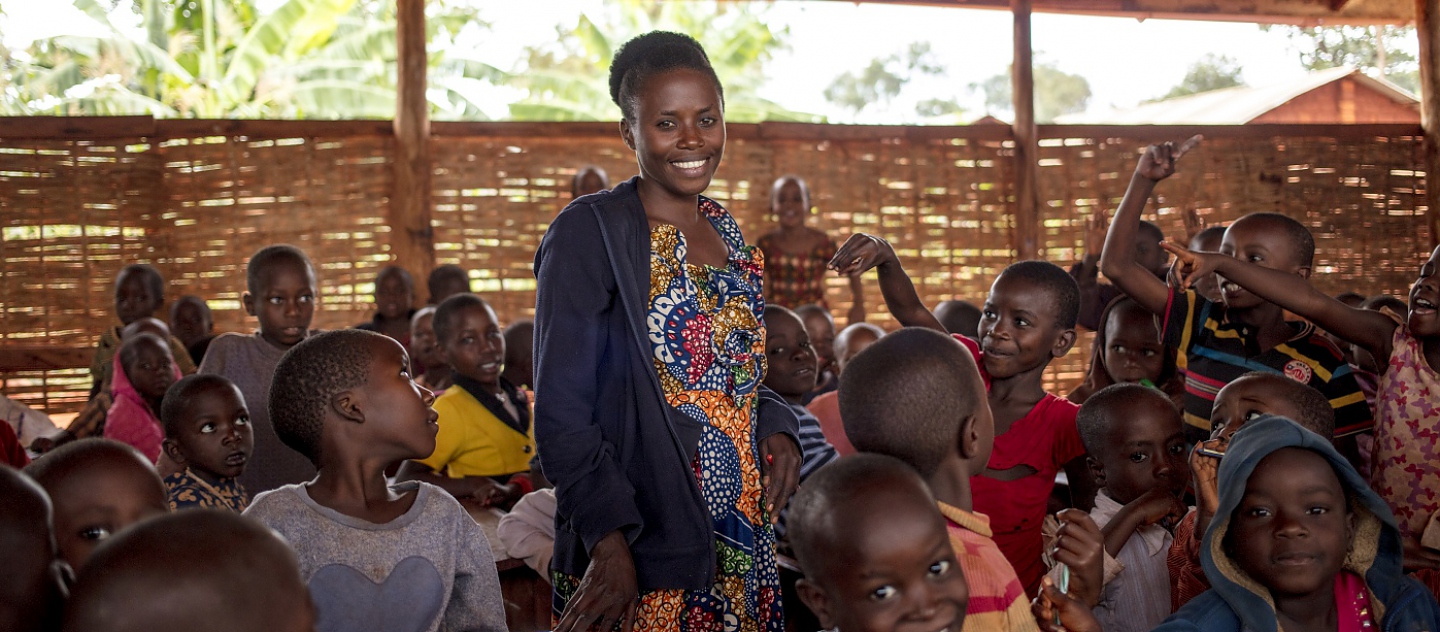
(815, 451)
(1214, 351)
(997, 600)
(1138, 598)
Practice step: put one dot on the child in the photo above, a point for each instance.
(1406, 470)
(1249, 397)
(874, 551)
(929, 381)
(432, 370)
(796, 254)
(1029, 320)
(826, 407)
(280, 293)
(195, 570)
(447, 281)
(790, 372)
(99, 487)
(143, 371)
(193, 324)
(32, 588)
(1136, 443)
(1220, 342)
(345, 400)
(588, 179)
(959, 317)
(820, 326)
(486, 439)
(1096, 296)
(1208, 240)
(520, 354)
(394, 304)
(1300, 542)
(208, 437)
(1127, 350)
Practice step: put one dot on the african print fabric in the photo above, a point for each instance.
(185, 490)
(795, 280)
(709, 350)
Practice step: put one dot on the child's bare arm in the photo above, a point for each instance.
(1154, 506)
(862, 252)
(1117, 258)
(1372, 331)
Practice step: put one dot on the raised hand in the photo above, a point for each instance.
(859, 253)
(1158, 162)
(1095, 228)
(1193, 223)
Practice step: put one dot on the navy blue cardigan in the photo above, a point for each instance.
(618, 454)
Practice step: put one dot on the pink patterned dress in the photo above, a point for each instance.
(1407, 435)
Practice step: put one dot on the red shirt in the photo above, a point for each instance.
(826, 409)
(1044, 439)
(11, 452)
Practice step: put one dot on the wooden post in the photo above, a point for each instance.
(1427, 27)
(1027, 144)
(412, 241)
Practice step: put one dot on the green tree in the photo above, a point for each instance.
(1362, 47)
(884, 79)
(569, 79)
(1211, 72)
(1056, 92)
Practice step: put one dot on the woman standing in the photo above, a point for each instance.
(797, 256)
(670, 461)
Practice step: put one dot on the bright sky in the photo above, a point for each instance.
(1125, 60)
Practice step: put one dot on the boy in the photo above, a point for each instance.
(193, 324)
(959, 317)
(373, 556)
(486, 437)
(447, 281)
(394, 304)
(820, 326)
(208, 437)
(1028, 320)
(280, 293)
(1251, 396)
(790, 372)
(1136, 443)
(32, 588)
(195, 570)
(1219, 342)
(873, 550)
(852, 340)
(520, 354)
(931, 382)
(98, 488)
(1094, 296)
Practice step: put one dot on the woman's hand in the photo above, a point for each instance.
(860, 253)
(779, 472)
(608, 592)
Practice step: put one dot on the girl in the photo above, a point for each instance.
(144, 369)
(797, 255)
(1127, 349)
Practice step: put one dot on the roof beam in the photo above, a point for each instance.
(1303, 12)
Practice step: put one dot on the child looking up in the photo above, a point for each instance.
(790, 372)
(280, 293)
(98, 487)
(486, 437)
(928, 380)
(193, 324)
(394, 304)
(195, 570)
(432, 371)
(1127, 350)
(1028, 320)
(1137, 451)
(208, 436)
(32, 588)
(1220, 342)
(447, 281)
(345, 400)
(1096, 296)
(826, 407)
(143, 372)
(1300, 542)
(874, 551)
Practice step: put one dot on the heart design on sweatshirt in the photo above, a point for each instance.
(410, 599)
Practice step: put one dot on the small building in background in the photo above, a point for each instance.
(1336, 95)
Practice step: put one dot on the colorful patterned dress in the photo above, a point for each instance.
(795, 280)
(1407, 432)
(709, 351)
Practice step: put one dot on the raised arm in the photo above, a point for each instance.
(862, 252)
(1372, 331)
(1117, 258)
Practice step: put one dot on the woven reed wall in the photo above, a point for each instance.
(197, 198)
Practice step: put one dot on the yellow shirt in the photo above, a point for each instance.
(472, 441)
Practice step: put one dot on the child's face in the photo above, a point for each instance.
(191, 322)
(153, 369)
(393, 295)
(1018, 329)
(283, 302)
(792, 363)
(1145, 450)
(398, 408)
(215, 439)
(789, 203)
(1245, 399)
(98, 499)
(476, 346)
(895, 571)
(1132, 347)
(1425, 299)
(821, 331)
(1258, 241)
(856, 341)
(134, 297)
(1292, 528)
(424, 348)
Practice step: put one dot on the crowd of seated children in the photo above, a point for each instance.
(826, 407)
(394, 304)
(486, 440)
(209, 439)
(791, 372)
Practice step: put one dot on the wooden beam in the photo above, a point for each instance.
(1427, 27)
(1300, 12)
(1027, 142)
(412, 240)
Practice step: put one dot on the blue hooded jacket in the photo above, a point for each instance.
(1237, 602)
